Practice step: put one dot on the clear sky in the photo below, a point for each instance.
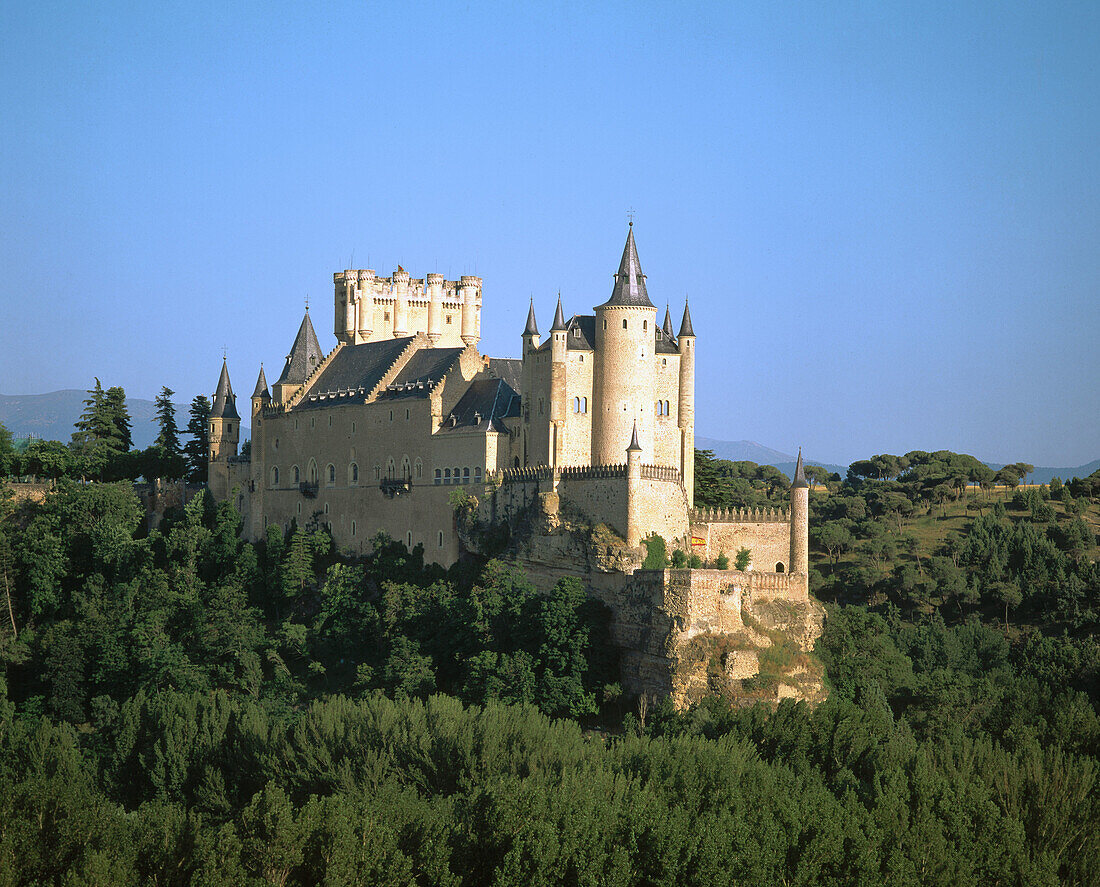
(886, 215)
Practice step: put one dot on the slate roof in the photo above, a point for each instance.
(483, 407)
(629, 288)
(261, 385)
(559, 317)
(582, 333)
(799, 473)
(353, 372)
(305, 355)
(423, 371)
(685, 324)
(532, 328)
(510, 369)
(225, 401)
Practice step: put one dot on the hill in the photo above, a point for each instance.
(52, 416)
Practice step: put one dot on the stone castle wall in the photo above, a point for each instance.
(766, 532)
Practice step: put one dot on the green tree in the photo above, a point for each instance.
(742, 559)
(168, 438)
(197, 448)
(119, 416)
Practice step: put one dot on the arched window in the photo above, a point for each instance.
(440, 538)
(353, 474)
(296, 474)
(624, 323)
(391, 467)
(377, 471)
(438, 477)
(353, 528)
(409, 540)
(584, 404)
(515, 461)
(576, 404)
(477, 474)
(779, 567)
(331, 474)
(645, 325)
(406, 467)
(275, 476)
(419, 469)
(312, 471)
(446, 475)
(457, 474)
(465, 475)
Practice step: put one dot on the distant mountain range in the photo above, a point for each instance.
(52, 416)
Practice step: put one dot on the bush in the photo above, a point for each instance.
(679, 559)
(743, 559)
(721, 562)
(656, 557)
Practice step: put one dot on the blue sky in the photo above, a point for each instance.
(886, 216)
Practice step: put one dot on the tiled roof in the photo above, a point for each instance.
(423, 372)
(629, 288)
(353, 372)
(483, 407)
(305, 355)
(225, 401)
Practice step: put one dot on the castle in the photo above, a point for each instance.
(597, 419)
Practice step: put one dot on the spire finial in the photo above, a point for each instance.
(225, 353)
(630, 217)
(307, 301)
(634, 445)
(559, 316)
(532, 328)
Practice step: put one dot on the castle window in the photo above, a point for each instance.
(419, 469)
(446, 475)
(477, 474)
(605, 324)
(312, 421)
(386, 315)
(326, 508)
(353, 474)
(331, 474)
(229, 428)
(438, 477)
(275, 476)
(377, 472)
(465, 475)
(409, 540)
(330, 421)
(779, 567)
(456, 475)
(440, 538)
(299, 508)
(406, 415)
(406, 467)
(540, 406)
(448, 318)
(624, 323)
(576, 332)
(276, 443)
(391, 415)
(390, 467)
(295, 424)
(582, 358)
(312, 472)
(297, 474)
(576, 404)
(664, 361)
(212, 431)
(645, 325)
(584, 404)
(353, 528)
(353, 428)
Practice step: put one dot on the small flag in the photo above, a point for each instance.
(698, 540)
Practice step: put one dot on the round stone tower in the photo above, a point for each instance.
(800, 521)
(624, 372)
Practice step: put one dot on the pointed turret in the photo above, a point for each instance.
(634, 445)
(532, 328)
(261, 384)
(225, 401)
(667, 326)
(305, 356)
(559, 318)
(685, 324)
(629, 288)
(799, 473)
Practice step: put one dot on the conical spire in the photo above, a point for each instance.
(667, 327)
(225, 401)
(634, 445)
(261, 385)
(799, 473)
(532, 328)
(685, 324)
(305, 355)
(629, 286)
(559, 317)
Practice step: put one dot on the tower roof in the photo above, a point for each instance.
(261, 385)
(666, 328)
(532, 328)
(305, 354)
(559, 318)
(799, 473)
(634, 445)
(629, 286)
(685, 324)
(225, 401)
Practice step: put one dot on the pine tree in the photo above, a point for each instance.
(169, 437)
(196, 448)
(119, 416)
(93, 423)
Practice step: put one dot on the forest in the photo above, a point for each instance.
(180, 706)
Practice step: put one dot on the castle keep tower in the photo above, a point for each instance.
(225, 432)
(623, 377)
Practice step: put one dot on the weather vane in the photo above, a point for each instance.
(630, 216)
(307, 301)
(225, 352)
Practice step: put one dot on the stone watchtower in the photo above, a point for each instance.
(686, 412)
(800, 520)
(623, 378)
(225, 433)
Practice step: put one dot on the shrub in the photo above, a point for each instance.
(743, 559)
(656, 557)
(721, 562)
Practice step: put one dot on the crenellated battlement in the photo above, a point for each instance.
(385, 289)
(740, 515)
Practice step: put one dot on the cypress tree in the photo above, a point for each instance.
(169, 437)
(196, 448)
